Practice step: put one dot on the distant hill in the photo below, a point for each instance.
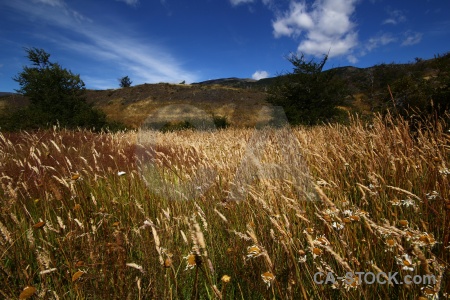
(241, 99)
(5, 94)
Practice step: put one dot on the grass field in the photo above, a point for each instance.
(230, 214)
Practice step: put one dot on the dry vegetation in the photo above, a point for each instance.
(231, 214)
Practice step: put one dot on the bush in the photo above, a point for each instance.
(308, 95)
(56, 97)
(221, 122)
(177, 126)
(125, 82)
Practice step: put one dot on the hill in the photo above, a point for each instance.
(239, 100)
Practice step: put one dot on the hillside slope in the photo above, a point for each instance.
(240, 100)
(134, 104)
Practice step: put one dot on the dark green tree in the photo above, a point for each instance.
(308, 94)
(56, 96)
(125, 81)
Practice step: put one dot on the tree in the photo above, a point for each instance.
(125, 82)
(308, 95)
(56, 95)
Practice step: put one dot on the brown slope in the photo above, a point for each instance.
(134, 104)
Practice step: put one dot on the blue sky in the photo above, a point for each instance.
(155, 41)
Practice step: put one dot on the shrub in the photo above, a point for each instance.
(56, 96)
(125, 82)
(308, 95)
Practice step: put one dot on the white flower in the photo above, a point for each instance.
(408, 202)
(121, 173)
(444, 171)
(337, 226)
(433, 195)
(406, 262)
(347, 212)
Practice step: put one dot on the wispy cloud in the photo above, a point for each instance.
(323, 27)
(58, 3)
(142, 60)
(260, 75)
(379, 40)
(237, 2)
(130, 2)
(352, 58)
(395, 17)
(411, 38)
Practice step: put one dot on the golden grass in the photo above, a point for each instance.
(235, 213)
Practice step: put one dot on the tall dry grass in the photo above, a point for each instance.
(235, 213)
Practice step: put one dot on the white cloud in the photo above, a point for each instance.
(237, 2)
(142, 60)
(325, 26)
(130, 2)
(412, 38)
(58, 3)
(353, 59)
(293, 22)
(260, 75)
(380, 40)
(395, 17)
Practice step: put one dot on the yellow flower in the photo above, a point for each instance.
(191, 261)
(309, 230)
(403, 223)
(405, 261)
(322, 240)
(226, 278)
(254, 251)
(268, 277)
(391, 242)
(317, 252)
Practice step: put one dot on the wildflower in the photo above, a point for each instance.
(403, 223)
(191, 261)
(309, 230)
(351, 283)
(337, 226)
(225, 278)
(77, 275)
(254, 251)
(355, 218)
(347, 220)
(268, 277)
(331, 211)
(121, 173)
(347, 212)
(327, 218)
(444, 171)
(395, 202)
(75, 176)
(390, 242)
(322, 240)
(425, 240)
(432, 196)
(168, 262)
(27, 292)
(302, 257)
(408, 202)
(405, 261)
(316, 252)
(429, 292)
